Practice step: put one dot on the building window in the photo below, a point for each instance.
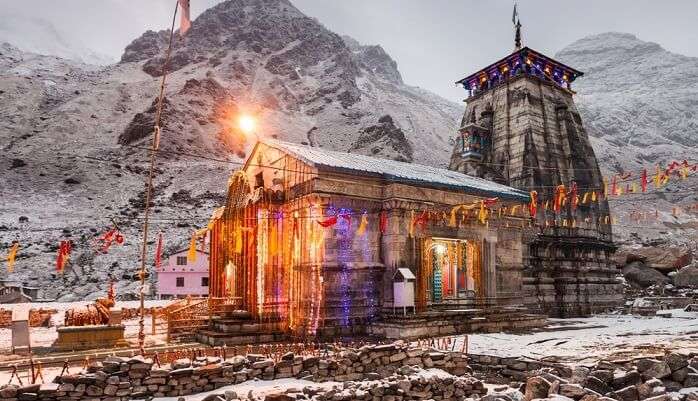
(204, 281)
(181, 260)
(180, 282)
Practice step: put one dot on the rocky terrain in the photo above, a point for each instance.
(74, 162)
(638, 102)
(74, 135)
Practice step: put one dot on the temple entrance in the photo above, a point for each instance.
(452, 270)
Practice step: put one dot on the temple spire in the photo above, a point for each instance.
(517, 26)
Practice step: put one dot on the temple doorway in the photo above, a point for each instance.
(452, 270)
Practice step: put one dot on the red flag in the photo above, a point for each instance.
(329, 222)
(614, 192)
(559, 198)
(421, 221)
(184, 19)
(158, 253)
(383, 222)
(643, 180)
(490, 201)
(533, 206)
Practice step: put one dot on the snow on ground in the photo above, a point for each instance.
(45, 336)
(588, 339)
(258, 387)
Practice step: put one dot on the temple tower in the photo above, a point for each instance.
(521, 128)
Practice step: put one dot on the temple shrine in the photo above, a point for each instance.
(310, 242)
(521, 128)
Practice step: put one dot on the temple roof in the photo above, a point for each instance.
(395, 171)
(518, 55)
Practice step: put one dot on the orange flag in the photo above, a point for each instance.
(533, 206)
(11, 254)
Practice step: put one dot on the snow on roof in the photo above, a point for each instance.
(391, 170)
(405, 274)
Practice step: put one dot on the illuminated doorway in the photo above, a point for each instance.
(451, 270)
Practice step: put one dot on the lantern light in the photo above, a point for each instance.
(247, 124)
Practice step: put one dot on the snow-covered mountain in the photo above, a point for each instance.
(73, 156)
(37, 35)
(74, 135)
(639, 103)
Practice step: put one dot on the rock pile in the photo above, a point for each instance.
(136, 378)
(408, 384)
(674, 377)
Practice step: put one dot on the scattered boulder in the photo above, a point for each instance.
(691, 380)
(574, 391)
(686, 277)
(628, 393)
(597, 385)
(536, 387)
(653, 368)
(624, 379)
(640, 275)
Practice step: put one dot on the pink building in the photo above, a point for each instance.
(179, 277)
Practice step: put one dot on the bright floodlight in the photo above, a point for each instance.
(247, 124)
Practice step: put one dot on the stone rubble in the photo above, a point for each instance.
(673, 377)
(120, 378)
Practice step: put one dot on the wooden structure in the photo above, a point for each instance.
(309, 241)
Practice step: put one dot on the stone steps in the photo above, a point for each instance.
(217, 339)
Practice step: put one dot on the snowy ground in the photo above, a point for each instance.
(45, 336)
(259, 388)
(588, 339)
(577, 341)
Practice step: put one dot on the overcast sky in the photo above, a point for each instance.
(435, 42)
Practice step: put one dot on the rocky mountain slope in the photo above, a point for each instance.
(73, 136)
(640, 106)
(73, 157)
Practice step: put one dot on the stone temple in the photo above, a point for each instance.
(521, 128)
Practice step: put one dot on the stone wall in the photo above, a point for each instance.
(118, 378)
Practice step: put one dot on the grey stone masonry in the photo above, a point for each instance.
(536, 141)
(119, 378)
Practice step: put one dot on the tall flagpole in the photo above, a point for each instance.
(149, 189)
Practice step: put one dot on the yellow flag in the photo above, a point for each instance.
(593, 196)
(191, 255)
(273, 236)
(585, 198)
(411, 224)
(11, 254)
(238, 239)
(482, 214)
(452, 219)
(362, 225)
